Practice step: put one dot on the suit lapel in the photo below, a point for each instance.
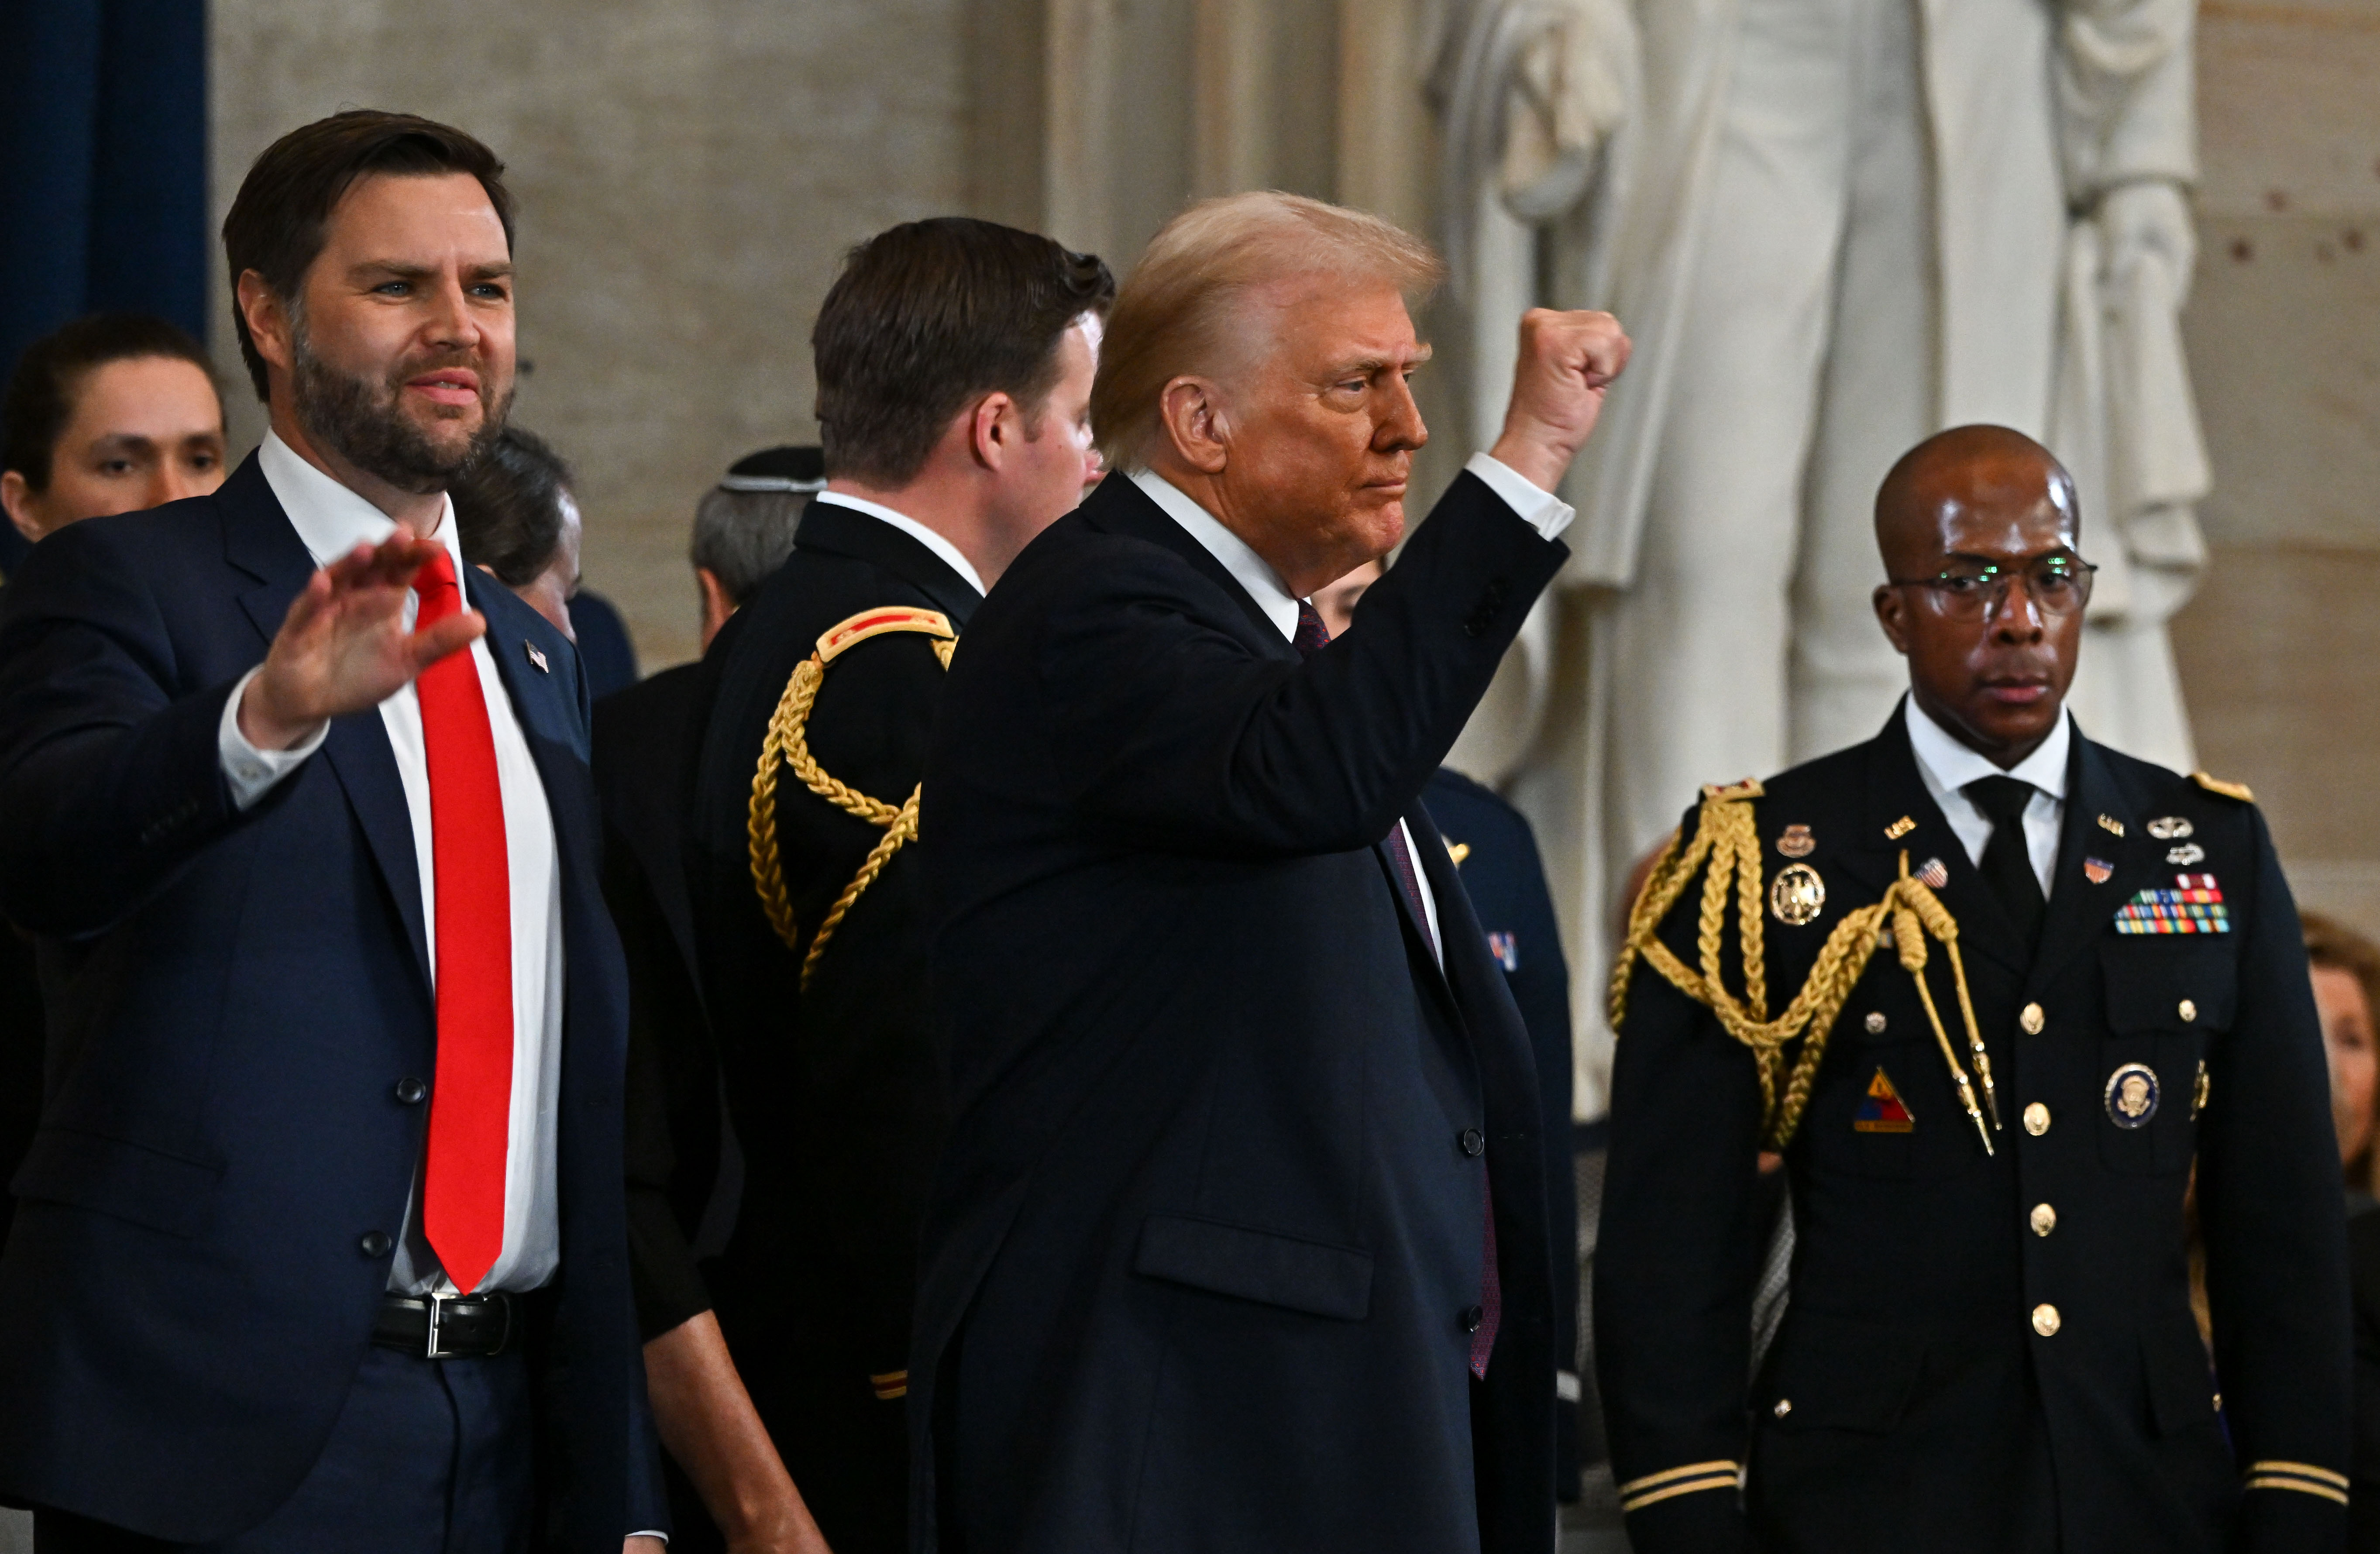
(1897, 793)
(2078, 909)
(1429, 856)
(260, 542)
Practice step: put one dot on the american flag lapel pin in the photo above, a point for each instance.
(535, 657)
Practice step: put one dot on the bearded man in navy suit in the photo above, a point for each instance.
(320, 1243)
(1240, 1239)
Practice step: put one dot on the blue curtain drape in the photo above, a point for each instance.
(103, 164)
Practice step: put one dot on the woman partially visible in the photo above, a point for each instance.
(2346, 992)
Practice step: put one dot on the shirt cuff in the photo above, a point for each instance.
(1539, 508)
(250, 771)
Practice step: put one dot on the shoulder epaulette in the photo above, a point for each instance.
(2229, 790)
(1749, 788)
(788, 744)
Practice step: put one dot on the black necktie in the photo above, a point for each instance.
(2008, 862)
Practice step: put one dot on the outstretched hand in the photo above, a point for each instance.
(1568, 361)
(344, 646)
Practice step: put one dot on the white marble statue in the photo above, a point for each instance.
(1832, 227)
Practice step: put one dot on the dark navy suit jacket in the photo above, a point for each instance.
(233, 999)
(1197, 1265)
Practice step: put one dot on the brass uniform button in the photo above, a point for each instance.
(2036, 1119)
(2032, 1019)
(2043, 1218)
(2044, 1319)
(1784, 1407)
(2189, 1011)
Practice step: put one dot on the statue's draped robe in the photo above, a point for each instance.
(1832, 227)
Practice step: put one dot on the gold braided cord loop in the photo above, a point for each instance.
(787, 743)
(1728, 839)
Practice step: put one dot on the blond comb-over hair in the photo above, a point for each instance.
(1176, 314)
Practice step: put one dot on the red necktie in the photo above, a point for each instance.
(470, 1105)
(1310, 638)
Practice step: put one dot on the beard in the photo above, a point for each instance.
(362, 420)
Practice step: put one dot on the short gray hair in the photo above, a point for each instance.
(740, 537)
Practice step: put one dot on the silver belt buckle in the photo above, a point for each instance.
(433, 1349)
(437, 1314)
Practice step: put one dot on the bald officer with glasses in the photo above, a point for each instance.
(1992, 989)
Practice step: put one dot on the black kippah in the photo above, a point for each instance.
(789, 468)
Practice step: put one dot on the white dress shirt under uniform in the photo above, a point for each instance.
(333, 520)
(1947, 767)
(1543, 511)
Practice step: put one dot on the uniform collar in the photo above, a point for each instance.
(933, 539)
(1949, 766)
(1251, 571)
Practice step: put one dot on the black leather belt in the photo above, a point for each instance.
(444, 1327)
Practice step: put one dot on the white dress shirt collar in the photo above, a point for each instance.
(331, 519)
(932, 540)
(1249, 569)
(1947, 767)
(1946, 764)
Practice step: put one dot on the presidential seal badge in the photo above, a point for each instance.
(2169, 828)
(1933, 874)
(2131, 1097)
(1797, 842)
(1797, 895)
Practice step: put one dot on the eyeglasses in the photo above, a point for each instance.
(2061, 584)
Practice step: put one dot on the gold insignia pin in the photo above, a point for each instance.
(2110, 824)
(1458, 851)
(1900, 829)
(1797, 895)
(1797, 842)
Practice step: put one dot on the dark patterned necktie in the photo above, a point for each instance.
(1311, 637)
(2007, 861)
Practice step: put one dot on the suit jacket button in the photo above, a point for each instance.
(1471, 1316)
(373, 1244)
(1473, 1142)
(410, 1090)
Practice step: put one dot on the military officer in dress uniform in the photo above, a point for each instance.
(954, 363)
(1993, 990)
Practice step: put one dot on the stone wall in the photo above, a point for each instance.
(2279, 650)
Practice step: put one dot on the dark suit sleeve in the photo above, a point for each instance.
(2270, 1202)
(109, 780)
(1190, 740)
(1675, 1262)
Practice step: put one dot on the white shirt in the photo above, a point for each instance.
(1548, 513)
(1947, 767)
(930, 538)
(332, 521)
